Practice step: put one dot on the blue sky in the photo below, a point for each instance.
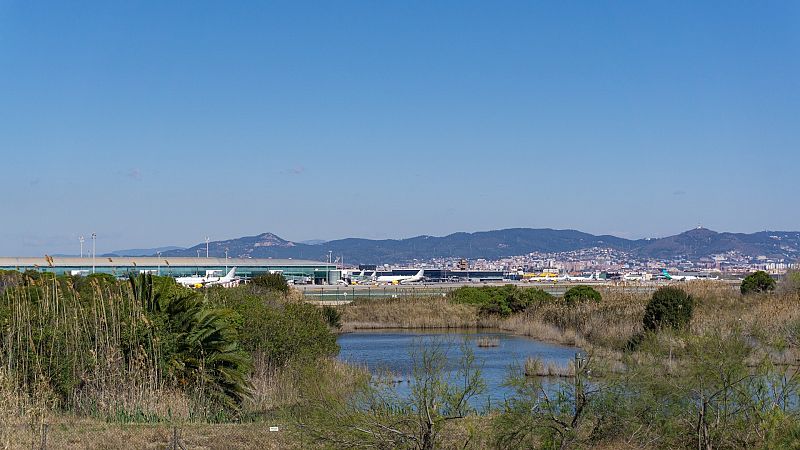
(159, 123)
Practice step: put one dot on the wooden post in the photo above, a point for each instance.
(44, 436)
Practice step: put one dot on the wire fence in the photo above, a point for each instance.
(348, 293)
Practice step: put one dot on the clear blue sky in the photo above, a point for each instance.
(158, 123)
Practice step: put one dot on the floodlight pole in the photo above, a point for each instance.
(158, 273)
(328, 270)
(81, 241)
(206, 246)
(94, 251)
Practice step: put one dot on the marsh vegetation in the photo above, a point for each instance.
(702, 366)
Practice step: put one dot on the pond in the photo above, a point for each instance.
(393, 350)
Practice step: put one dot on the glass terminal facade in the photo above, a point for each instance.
(299, 271)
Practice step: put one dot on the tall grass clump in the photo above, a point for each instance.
(536, 367)
(144, 350)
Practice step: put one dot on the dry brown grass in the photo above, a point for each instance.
(608, 324)
(272, 387)
(432, 312)
(93, 434)
(25, 420)
(526, 325)
(769, 314)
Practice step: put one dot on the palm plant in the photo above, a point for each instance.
(207, 355)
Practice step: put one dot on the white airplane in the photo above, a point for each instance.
(582, 278)
(677, 277)
(198, 282)
(401, 279)
(552, 279)
(634, 276)
(686, 277)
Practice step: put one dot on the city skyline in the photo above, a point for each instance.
(159, 124)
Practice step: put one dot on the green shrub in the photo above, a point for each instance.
(757, 282)
(332, 316)
(580, 294)
(670, 307)
(297, 331)
(279, 330)
(496, 306)
(9, 278)
(271, 282)
(499, 300)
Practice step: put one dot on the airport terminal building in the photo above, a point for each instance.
(121, 266)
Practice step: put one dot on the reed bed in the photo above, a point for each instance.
(608, 324)
(431, 312)
(92, 353)
(771, 321)
(536, 367)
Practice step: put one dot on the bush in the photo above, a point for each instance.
(499, 300)
(580, 294)
(271, 282)
(670, 307)
(281, 331)
(332, 316)
(791, 282)
(757, 282)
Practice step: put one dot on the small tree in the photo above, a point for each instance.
(579, 294)
(271, 282)
(574, 414)
(791, 282)
(757, 282)
(374, 415)
(670, 307)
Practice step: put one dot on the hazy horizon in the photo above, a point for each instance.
(157, 124)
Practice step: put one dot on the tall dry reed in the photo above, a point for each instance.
(94, 350)
(415, 312)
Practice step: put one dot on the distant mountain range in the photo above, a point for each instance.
(142, 251)
(693, 244)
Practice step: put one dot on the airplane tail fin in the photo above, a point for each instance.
(666, 274)
(420, 273)
(230, 274)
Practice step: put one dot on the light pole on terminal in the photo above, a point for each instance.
(81, 241)
(206, 246)
(226, 259)
(94, 251)
(328, 267)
